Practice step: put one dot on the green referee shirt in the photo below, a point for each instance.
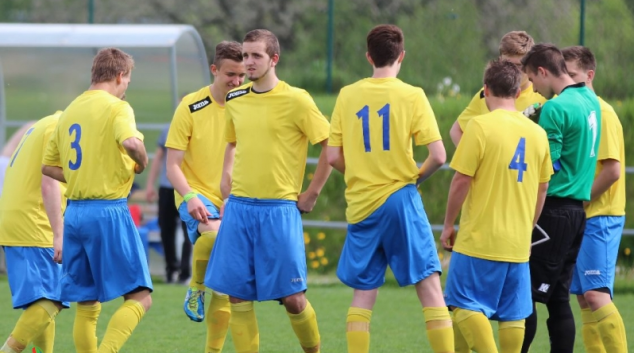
(572, 121)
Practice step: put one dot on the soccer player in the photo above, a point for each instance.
(259, 253)
(96, 149)
(31, 231)
(502, 163)
(513, 46)
(168, 216)
(195, 152)
(593, 277)
(372, 127)
(572, 121)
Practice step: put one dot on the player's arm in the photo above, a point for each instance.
(336, 158)
(155, 169)
(541, 198)
(195, 206)
(610, 173)
(435, 159)
(136, 150)
(458, 191)
(306, 200)
(52, 196)
(54, 172)
(550, 120)
(227, 170)
(455, 133)
(15, 139)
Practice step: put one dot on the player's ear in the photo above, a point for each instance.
(275, 59)
(401, 57)
(367, 56)
(541, 71)
(486, 90)
(517, 94)
(214, 69)
(590, 76)
(119, 77)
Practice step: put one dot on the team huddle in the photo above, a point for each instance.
(539, 186)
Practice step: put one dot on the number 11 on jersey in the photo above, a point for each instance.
(364, 115)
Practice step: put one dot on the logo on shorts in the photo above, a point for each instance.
(296, 280)
(544, 287)
(593, 273)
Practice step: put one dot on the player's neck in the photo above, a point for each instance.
(109, 87)
(385, 72)
(217, 94)
(562, 82)
(266, 82)
(525, 85)
(494, 103)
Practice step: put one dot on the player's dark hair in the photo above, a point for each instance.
(582, 56)
(110, 62)
(385, 44)
(272, 45)
(546, 56)
(502, 78)
(228, 50)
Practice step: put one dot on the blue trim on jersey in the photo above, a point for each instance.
(191, 222)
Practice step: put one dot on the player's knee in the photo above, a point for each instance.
(597, 298)
(581, 299)
(234, 300)
(295, 303)
(142, 296)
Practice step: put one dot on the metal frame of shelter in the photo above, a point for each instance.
(99, 36)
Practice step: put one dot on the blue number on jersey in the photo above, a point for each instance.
(517, 163)
(364, 115)
(28, 132)
(75, 145)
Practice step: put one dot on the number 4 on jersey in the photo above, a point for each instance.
(517, 163)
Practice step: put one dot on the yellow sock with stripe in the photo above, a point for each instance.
(85, 328)
(217, 319)
(33, 321)
(511, 335)
(611, 328)
(244, 328)
(121, 325)
(200, 255)
(305, 326)
(590, 332)
(46, 340)
(460, 343)
(439, 329)
(476, 329)
(358, 330)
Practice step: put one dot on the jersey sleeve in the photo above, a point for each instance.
(476, 107)
(551, 121)
(336, 138)
(124, 125)
(424, 125)
(470, 150)
(611, 141)
(51, 151)
(180, 130)
(310, 120)
(47, 136)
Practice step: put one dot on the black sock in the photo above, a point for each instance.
(531, 329)
(561, 327)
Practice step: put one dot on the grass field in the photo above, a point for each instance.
(397, 324)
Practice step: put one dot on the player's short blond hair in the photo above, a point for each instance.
(516, 43)
(110, 62)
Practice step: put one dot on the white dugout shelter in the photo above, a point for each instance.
(43, 67)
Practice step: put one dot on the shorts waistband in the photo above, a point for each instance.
(553, 201)
(262, 202)
(98, 202)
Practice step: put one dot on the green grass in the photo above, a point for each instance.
(397, 323)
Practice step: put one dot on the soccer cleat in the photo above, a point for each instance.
(195, 304)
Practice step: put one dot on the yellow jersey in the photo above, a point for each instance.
(508, 156)
(611, 146)
(478, 106)
(87, 144)
(197, 128)
(374, 121)
(23, 219)
(271, 131)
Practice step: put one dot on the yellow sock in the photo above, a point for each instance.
(476, 330)
(244, 328)
(511, 335)
(305, 326)
(611, 328)
(46, 340)
(121, 325)
(358, 330)
(201, 253)
(590, 332)
(33, 321)
(460, 343)
(85, 328)
(217, 319)
(439, 329)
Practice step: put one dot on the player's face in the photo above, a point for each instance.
(229, 74)
(541, 83)
(517, 61)
(577, 74)
(256, 60)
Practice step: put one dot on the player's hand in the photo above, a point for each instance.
(447, 238)
(306, 201)
(138, 169)
(197, 210)
(58, 242)
(150, 194)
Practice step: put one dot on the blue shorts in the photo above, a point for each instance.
(103, 255)
(32, 275)
(499, 290)
(259, 252)
(192, 224)
(596, 262)
(397, 233)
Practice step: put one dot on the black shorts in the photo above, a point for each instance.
(553, 261)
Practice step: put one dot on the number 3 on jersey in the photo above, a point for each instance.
(364, 115)
(75, 145)
(517, 163)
